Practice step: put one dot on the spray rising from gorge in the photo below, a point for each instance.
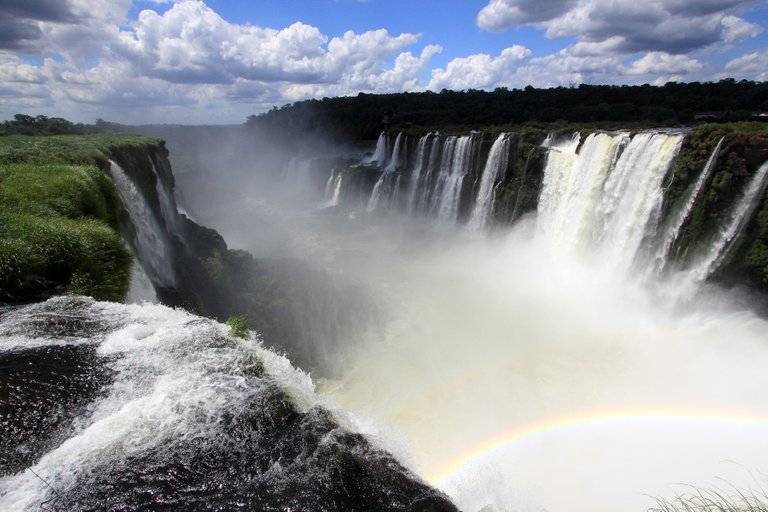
(569, 363)
(526, 321)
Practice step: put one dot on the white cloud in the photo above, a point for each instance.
(660, 63)
(752, 66)
(501, 14)
(736, 29)
(671, 26)
(190, 43)
(191, 56)
(479, 71)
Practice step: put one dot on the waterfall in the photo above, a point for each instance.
(673, 230)
(140, 288)
(453, 173)
(332, 189)
(604, 195)
(329, 186)
(151, 243)
(737, 221)
(168, 207)
(336, 191)
(395, 202)
(416, 173)
(573, 185)
(398, 155)
(428, 181)
(380, 190)
(381, 152)
(496, 163)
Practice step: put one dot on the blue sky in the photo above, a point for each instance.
(218, 61)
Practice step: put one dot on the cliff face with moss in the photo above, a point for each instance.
(78, 212)
(60, 217)
(699, 199)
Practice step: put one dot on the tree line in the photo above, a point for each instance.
(362, 117)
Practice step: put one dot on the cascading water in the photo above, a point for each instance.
(140, 288)
(496, 163)
(145, 407)
(416, 174)
(428, 183)
(381, 153)
(152, 245)
(332, 189)
(329, 185)
(535, 371)
(527, 371)
(737, 220)
(604, 196)
(164, 191)
(382, 190)
(448, 195)
(673, 230)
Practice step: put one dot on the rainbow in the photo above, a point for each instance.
(526, 432)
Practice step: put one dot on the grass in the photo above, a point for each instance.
(94, 149)
(58, 216)
(238, 326)
(714, 500)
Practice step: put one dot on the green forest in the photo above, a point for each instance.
(362, 117)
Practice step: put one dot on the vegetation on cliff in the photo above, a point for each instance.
(744, 150)
(59, 214)
(362, 117)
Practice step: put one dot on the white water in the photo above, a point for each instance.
(670, 235)
(140, 288)
(448, 199)
(167, 203)
(381, 194)
(498, 157)
(381, 152)
(435, 155)
(173, 383)
(151, 243)
(332, 189)
(601, 200)
(737, 220)
(488, 337)
(418, 169)
(617, 393)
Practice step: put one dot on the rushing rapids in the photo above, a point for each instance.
(144, 407)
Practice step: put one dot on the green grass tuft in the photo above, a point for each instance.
(714, 500)
(238, 326)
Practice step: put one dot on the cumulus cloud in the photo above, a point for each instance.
(671, 26)
(501, 14)
(736, 29)
(752, 66)
(28, 23)
(480, 71)
(190, 43)
(191, 55)
(659, 63)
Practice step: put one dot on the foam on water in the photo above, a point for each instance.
(175, 375)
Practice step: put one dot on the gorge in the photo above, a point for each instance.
(524, 320)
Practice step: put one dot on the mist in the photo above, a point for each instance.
(506, 369)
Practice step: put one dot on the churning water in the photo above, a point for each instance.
(551, 366)
(541, 369)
